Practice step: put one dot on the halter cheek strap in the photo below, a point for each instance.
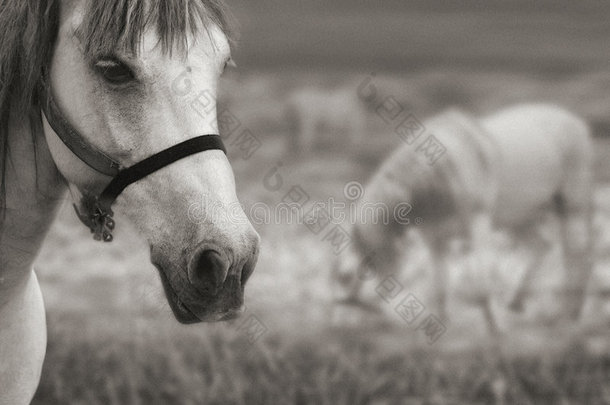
(97, 213)
(89, 154)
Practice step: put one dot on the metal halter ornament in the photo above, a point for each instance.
(97, 213)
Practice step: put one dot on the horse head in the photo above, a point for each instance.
(137, 82)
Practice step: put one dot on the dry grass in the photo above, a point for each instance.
(147, 361)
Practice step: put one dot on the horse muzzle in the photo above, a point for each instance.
(210, 288)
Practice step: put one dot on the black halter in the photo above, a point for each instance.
(97, 213)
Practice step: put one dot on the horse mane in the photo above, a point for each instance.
(28, 29)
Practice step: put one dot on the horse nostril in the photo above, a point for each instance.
(208, 271)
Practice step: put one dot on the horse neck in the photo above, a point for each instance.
(34, 191)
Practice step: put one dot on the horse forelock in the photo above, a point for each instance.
(109, 25)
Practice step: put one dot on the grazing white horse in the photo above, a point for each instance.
(315, 114)
(504, 171)
(113, 98)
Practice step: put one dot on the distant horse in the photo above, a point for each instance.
(324, 114)
(504, 171)
(114, 98)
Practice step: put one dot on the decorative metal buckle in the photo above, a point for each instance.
(98, 219)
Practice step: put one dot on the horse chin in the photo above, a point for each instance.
(189, 315)
(181, 312)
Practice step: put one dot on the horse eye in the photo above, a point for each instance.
(114, 72)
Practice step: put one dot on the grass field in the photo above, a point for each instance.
(113, 340)
(139, 360)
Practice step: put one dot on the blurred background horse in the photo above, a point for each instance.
(319, 116)
(508, 170)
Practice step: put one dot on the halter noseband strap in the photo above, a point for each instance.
(97, 213)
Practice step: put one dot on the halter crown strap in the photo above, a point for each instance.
(97, 214)
(86, 152)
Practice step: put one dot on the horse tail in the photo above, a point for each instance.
(574, 206)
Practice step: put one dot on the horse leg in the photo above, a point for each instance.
(576, 234)
(294, 123)
(307, 134)
(23, 339)
(574, 205)
(481, 264)
(301, 136)
(438, 248)
(357, 124)
(538, 245)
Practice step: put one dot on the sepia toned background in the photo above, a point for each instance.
(112, 337)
